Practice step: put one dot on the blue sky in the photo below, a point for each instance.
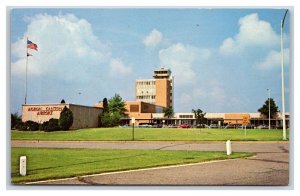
(223, 60)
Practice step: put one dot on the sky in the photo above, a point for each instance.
(223, 60)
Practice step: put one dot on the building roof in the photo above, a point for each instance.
(55, 104)
(216, 115)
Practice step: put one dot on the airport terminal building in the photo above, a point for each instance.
(219, 119)
(152, 96)
(83, 116)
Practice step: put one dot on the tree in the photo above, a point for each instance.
(15, 120)
(264, 110)
(66, 119)
(199, 115)
(105, 105)
(104, 111)
(53, 125)
(168, 112)
(110, 119)
(62, 101)
(116, 104)
(113, 112)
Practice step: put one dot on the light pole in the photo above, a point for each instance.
(269, 110)
(282, 79)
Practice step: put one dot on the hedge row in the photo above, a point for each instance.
(51, 125)
(64, 122)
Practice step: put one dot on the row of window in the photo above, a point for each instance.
(146, 83)
(146, 92)
(185, 116)
(146, 97)
(160, 72)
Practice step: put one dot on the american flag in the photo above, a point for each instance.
(31, 45)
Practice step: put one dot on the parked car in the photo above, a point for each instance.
(231, 126)
(172, 126)
(262, 127)
(213, 126)
(125, 126)
(145, 126)
(184, 126)
(250, 126)
(157, 126)
(200, 126)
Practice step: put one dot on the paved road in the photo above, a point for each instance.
(155, 145)
(269, 167)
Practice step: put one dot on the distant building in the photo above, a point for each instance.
(152, 95)
(219, 119)
(83, 116)
(141, 111)
(158, 91)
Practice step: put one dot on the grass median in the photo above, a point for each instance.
(45, 164)
(152, 134)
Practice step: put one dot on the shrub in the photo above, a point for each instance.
(44, 126)
(28, 126)
(21, 126)
(65, 119)
(53, 125)
(99, 120)
(33, 126)
(110, 119)
(105, 120)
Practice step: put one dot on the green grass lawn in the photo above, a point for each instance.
(152, 134)
(45, 163)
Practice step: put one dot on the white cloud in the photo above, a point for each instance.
(119, 68)
(65, 43)
(212, 96)
(273, 59)
(253, 32)
(185, 99)
(218, 93)
(229, 46)
(181, 59)
(214, 91)
(153, 39)
(198, 93)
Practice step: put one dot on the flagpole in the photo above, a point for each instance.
(26, 71)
